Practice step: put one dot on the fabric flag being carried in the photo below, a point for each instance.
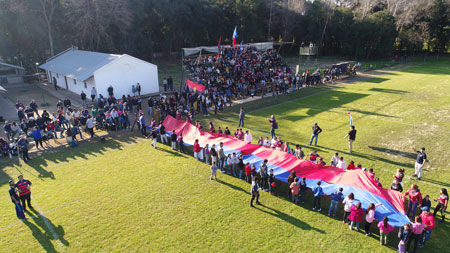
(195, 86)
(357, 182)
(235, 35)
(351, 119)
(218, 47)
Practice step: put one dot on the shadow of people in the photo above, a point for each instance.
(429, 180)
(394, 152)
(59, 230)
(234, 187)
(43, 238)
(288, 218)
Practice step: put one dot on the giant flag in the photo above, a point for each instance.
(363, 187)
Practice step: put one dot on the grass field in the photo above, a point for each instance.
(122, 195)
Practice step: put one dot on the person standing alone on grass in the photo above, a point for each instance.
(318, 193)
(351, 138)
(241, 117)
(214, 171)
(316, 130)
(255, 192)
(420, 162)
(273, 125)
(15, 199)
(23, 186)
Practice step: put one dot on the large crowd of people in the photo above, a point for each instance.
(232, 74)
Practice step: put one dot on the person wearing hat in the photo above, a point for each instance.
(316, 130)
(15, 200)
(23, 146)
(8, 130)
(23, 186)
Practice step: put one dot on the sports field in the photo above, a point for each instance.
(122, 195)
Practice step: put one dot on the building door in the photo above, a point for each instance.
(67, 85)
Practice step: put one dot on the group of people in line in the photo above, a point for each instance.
(263, 179)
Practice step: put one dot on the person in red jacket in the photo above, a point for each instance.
(351, 165)
(197, 150)
(428, 221)
(248, 173)
(415, 199)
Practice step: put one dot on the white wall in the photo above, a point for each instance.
(59, 79)
(123, 73)
(76, 88)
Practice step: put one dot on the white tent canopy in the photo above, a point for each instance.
(195, 50)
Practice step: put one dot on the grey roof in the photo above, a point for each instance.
(78, 64)
(11, 66)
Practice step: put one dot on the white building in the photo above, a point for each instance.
(78, 70)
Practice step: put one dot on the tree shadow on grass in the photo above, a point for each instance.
(394, 152)
(288, 218)
(366, 156)
(390, 91)
(377, 80)
(83, 150)
(333, 98)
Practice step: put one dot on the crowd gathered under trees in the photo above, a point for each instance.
(33, 30)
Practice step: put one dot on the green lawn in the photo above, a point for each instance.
(122, 195)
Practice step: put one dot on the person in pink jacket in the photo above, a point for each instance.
(370, 216)
(428, 221)
(295, 189)
(415, 199)
(416, 230)
(385, 228)
(356, 216)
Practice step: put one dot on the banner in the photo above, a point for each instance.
(195, 86)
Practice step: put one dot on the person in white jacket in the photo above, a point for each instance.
(348, 203)
(248, 137)
(342, 164)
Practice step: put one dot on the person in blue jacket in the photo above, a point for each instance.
(37, 136)
(318, 193)
(336, 197)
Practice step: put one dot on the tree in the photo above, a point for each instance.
(48, 9)
(96, 24)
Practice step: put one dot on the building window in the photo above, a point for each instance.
(74, 81)
(85, 84)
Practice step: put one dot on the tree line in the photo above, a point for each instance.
(33, 30)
